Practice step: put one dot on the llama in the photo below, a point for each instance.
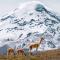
(10, 51)
(20, 51)
(35, 45)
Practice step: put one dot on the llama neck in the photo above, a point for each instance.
(40, 42)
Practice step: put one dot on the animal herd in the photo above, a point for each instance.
(11, 52)
(20, 51)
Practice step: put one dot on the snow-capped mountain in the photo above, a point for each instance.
(27, 23)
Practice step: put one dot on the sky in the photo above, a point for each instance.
(9, 5)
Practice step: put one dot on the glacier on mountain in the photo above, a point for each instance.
(27, 23)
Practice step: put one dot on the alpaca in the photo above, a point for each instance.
(35, 45)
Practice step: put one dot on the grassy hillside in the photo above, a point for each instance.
(47, 55)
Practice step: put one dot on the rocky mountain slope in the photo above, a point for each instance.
(27, 23)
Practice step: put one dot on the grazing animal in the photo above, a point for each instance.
(10, 51)
(20, 51)
(35, 45)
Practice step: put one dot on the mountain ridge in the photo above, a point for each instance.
(21, 28)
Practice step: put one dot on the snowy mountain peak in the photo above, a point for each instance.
(29, 22)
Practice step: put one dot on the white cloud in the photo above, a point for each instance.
(8, 5)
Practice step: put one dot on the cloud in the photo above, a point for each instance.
(8, 5)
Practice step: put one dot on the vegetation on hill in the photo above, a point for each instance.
(47, 55)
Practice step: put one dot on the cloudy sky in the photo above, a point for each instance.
(9, 5)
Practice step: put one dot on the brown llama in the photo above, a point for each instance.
(10, 51)
(35, 45)
(20, 51)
